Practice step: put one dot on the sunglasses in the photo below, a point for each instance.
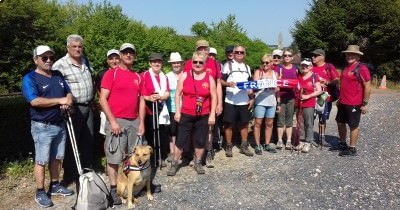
(239, 52)
(198, 62)
(265, 63)
(125, 52)
(277, 57)
(287, 55)
(45, 58)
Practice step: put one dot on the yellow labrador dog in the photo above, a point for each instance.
(134, 175)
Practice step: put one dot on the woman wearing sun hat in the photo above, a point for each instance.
(175, 60)
(354, 95)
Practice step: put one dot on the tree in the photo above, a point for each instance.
(229, 32)
(24, 24)
(333, 24)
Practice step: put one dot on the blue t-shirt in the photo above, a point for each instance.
(36, 85)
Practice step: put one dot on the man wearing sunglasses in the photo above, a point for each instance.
(277, 58)
(47, 93)
(124, 108)
(77, 72)
(329, 78)
(238, 103)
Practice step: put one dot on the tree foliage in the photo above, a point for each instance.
(28, 23)
(374, 25)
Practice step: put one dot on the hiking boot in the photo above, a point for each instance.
(244, 149)
(269, 148)
(43, 199)
(306, 148)
(288, 145)
(279, 145)
(228, 150)
(199, 167)
(314, 143)
(350, 151)
(116, 199)
(258, 150)
(342, 146)
(170, 157)
(58, 189)
(210, 159)
(174, 168)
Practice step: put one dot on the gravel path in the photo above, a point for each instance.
(318, 180)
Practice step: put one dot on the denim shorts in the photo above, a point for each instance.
(49, 140)
(264, 111)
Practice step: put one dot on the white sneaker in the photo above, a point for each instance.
(306, 148)
(289, 145)
(279, 145)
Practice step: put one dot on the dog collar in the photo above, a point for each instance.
(142, 167)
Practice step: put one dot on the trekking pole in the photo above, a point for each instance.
(299, 118)
(72, 138)
(154, 134)
(158, 136)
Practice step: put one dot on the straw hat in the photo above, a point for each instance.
(353, 49)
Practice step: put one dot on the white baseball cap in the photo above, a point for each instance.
(306, 61)
(213, 51)
(41, 49)
(277, 52)
(126, 46)
(112, 51)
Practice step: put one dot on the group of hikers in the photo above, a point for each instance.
(185, 113)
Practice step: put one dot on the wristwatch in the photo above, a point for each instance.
(365, 103)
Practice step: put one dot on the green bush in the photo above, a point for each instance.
(15, 136)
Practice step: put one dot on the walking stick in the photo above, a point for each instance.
(156, 131)
(299, 118)
(72, 138)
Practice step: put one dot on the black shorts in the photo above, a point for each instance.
(195, 127)
(236, 113)
(349, 114)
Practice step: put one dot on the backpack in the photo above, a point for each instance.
(226, 76)
(93, 192)
(334, 91)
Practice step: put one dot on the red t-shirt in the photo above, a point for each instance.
(351, 91)
(147, 87)
(308, 88)
(212, 67)
(190, 94)
(328, 74)
(124, 86)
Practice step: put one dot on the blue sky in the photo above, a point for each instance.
(263, 19)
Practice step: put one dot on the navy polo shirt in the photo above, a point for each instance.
(36, 85)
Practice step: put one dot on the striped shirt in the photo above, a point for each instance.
(78, 78)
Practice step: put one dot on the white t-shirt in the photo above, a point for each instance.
(239, 72)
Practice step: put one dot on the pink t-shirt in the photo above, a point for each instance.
(328, 74)
(283, 73)
(194, 89)
(212, 67)
(124, 86)
(308, 88)
(351, 91)
(147, 87)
